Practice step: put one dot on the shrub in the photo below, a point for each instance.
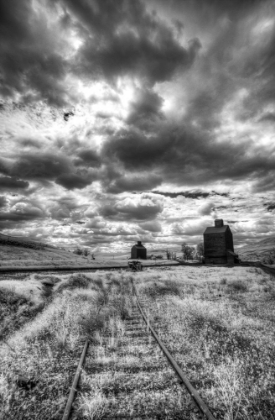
(54, 279)
(93, 324)
(47, 291)
(75, 282)
(269, 259)
(121, 305)
(11, 298)
(169, 287)
(238, 285)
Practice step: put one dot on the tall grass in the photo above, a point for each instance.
(44, 351)
(219, 327)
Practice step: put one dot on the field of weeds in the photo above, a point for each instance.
(218, 323)
(21, 300)
(126, 375)
(38, 361)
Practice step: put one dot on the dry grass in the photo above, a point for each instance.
(217, 322)
(126, 374)
(220, 328)
(37, 363)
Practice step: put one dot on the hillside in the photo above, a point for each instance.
(258, 251)
(22, 242)
(20, 252)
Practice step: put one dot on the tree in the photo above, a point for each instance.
(86, 252)
(183, 247)
(78, 251)
(187, 251)
(200, 250)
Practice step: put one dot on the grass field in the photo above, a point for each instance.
(21, 256)
(218, 323)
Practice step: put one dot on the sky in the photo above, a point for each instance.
(126, 120)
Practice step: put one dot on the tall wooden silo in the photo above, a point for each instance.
(218, 244)
(139, 251)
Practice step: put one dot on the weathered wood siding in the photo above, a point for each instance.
(139, 252)
(215, 260)
(230, 259)
(229, 240)
(215, 245)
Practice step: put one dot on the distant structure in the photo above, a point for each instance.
(218, 244)
(139, 251)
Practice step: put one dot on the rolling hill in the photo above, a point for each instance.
(258, 251)
(24, 252)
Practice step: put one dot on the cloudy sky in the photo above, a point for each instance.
(127, 119)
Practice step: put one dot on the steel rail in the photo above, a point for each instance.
(40, 269)
(73, 390)
(69, 269)
(192, 391)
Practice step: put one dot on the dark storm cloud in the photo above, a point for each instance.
(44, 167)
(128, 54)
(187, 155)
(3, 201)
(125, 211)
(12, 183)
(128, 40)
(207, 11)
(72, 181)
(29, 65)
(22, 212)
(260, 68)
(269, 206)
(269, 117)
(142, 182)
(254, 69)
(266, 182)
(135, 150)
(145, 108)
(30, 143)
(236, 58)
(88, 157)
(186, 194)
(198, 76)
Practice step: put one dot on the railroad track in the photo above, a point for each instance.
(72, 269)
(141, 378)
(76, 269)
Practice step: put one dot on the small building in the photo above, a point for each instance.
(139, 251)
(218, 244)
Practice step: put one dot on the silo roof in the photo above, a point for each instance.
(138, 246)
(213, 229)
